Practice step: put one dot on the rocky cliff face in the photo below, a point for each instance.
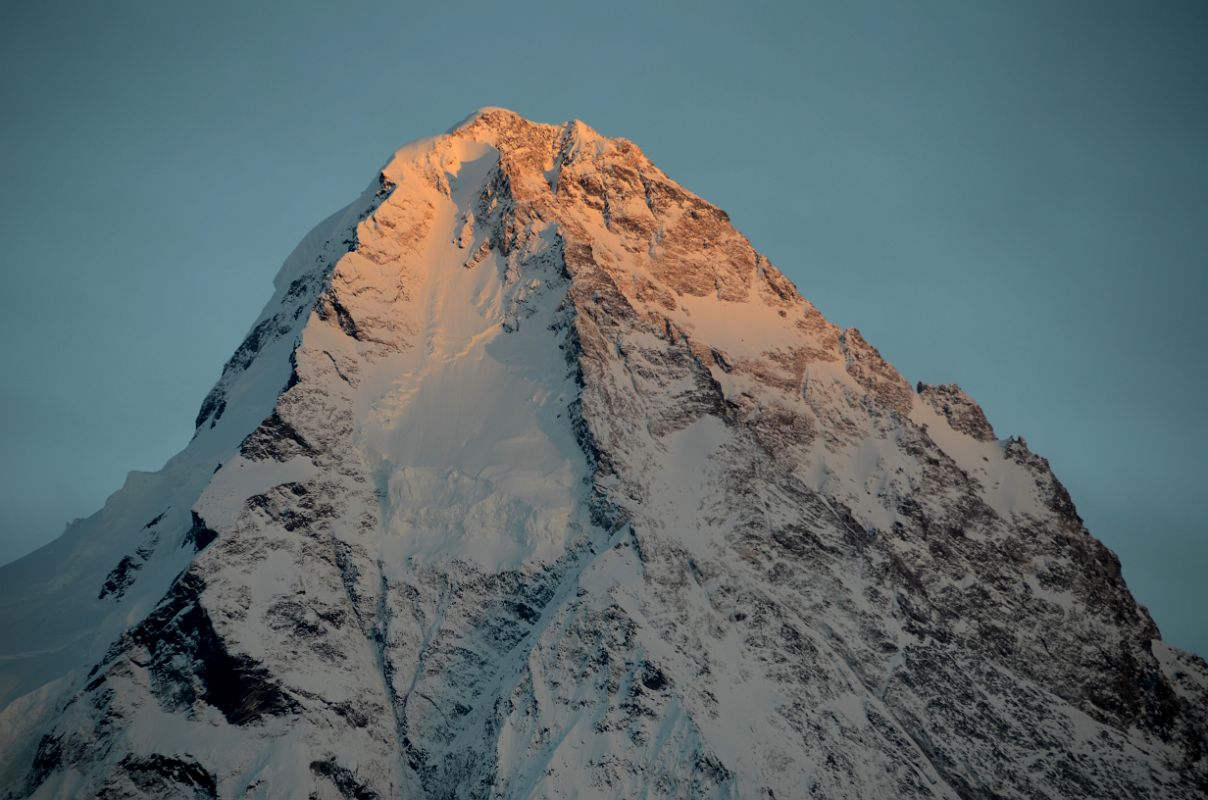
(535, 479)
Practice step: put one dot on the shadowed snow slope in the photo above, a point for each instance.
(535, 479)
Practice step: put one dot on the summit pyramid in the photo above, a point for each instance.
(535, 479)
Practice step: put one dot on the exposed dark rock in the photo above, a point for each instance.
(190, 662)
(344, 779)
(964, 415)
(873, 372)
(47, 759)
(161, 776)
(199, 535)
(120, 578)
(214, 400)
(275, 440)
(330, 307)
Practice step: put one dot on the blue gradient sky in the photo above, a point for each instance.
(1011, 197)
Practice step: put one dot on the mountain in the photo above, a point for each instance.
(535, 479)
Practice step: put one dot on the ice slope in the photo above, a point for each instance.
(535, 479)
(53, 621)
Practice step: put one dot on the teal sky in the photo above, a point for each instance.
(1011, 196)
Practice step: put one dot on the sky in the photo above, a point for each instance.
(1010, 196)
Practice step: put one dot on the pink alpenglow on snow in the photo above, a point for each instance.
(535, 479)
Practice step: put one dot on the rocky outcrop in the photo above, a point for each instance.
(958, 408)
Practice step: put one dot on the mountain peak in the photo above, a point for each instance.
(496, 124)
(534, 479)
(488, 115)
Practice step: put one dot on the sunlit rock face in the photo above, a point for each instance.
(535, 479)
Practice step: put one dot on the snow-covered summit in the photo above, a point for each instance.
(494, 112)
(534, 478)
